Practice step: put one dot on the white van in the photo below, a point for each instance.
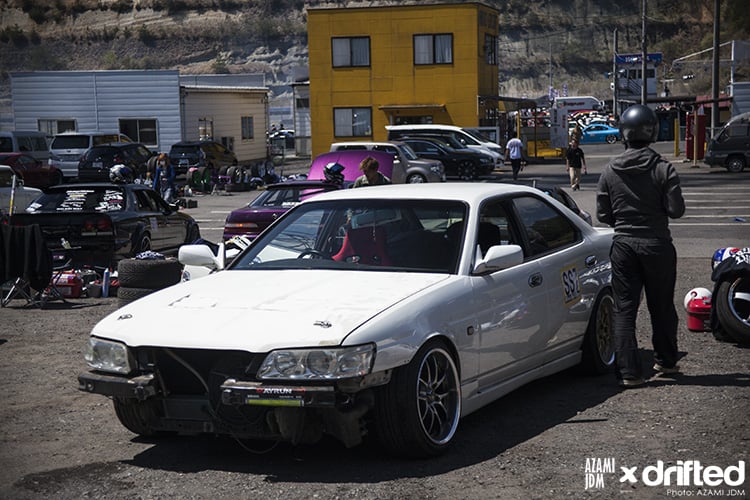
(31, 142)
(67, 148)
(469, 139)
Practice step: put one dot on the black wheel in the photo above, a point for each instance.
(732, 302)
(152, 274)
(598, 345)
(417, 412)
(143, 244)
(313, 254)
(126, 294)
(223, 170)
(234, 174)
(416, 179)
(137, 416)
(611, 139)
(57, 179)
(467, 170)
(735, 164)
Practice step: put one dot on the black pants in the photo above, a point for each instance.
(639, 263)
(515, 165)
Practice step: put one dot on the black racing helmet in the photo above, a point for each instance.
(639, 124)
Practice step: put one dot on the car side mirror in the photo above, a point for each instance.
(201, 255)
(499, 257)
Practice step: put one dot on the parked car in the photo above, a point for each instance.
(387, 311)
(283, 138)
(256, 216)
(31, 142)
(466, 137)
(35, 173)
(22, 196)
(350, 160)
(731, 147)
(563, 197)
(463, 163)
(102, 223)
(67, 148)
(417, 170)
(599, 133)
(196, 154)
(96, 163)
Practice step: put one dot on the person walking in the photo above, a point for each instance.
(164, 177)
(514, 147)
(371, 176)
(637, 193)
(574, 162)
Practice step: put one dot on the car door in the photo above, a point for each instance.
(556, 245)
(510, 304)
(172, 226)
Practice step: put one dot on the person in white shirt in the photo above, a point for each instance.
(514, 147)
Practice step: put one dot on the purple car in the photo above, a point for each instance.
(251, 220)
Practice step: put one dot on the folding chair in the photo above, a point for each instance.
(26, 261)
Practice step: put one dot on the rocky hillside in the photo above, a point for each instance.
(542, 42)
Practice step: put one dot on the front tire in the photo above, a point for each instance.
(416, 179)
(733, 307)
(611, 139)
(136, 416)
(736, 164)
(598, 342)
(417, 412)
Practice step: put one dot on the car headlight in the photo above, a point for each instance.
(107, 356)
(486, 159)
(318, 363)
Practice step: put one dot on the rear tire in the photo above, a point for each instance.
(611, 139)
(735, 164)
(732, 302)
(598, 342)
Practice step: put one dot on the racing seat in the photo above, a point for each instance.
(26, 261)
(487, 236)
(364, 245)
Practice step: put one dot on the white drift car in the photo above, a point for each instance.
(394, 310)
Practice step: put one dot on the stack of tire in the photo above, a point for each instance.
(140, 277)
(200, 179)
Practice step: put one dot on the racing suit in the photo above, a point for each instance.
(637, 193)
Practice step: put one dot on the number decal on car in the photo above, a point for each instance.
(570, 285)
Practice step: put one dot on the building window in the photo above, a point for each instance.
(348, 52)
(54, 127)
(490, 50)
(247, 127)
(433, 49)
(303, 103)
(352, 122)
(141, 130)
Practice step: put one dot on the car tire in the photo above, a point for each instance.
(143, 244)
(136, 415)
(151, 274)
(126, 294)
(417, 412)
(598, 342)
(416, 179)
(57, 179)
(233, 174)
(732, 302)
(467, 170)
(611, 139)
(735, 164)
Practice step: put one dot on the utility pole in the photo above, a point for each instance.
(644, 56)
(614, 75)
(715, 73)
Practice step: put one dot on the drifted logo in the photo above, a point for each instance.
(685, 473)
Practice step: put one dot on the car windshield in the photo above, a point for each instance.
(376, 235)
(70, 142)
(184, 150)
(409, 152)
(104, 199)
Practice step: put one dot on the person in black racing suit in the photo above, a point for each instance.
(637, 193)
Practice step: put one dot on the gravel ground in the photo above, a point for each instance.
(57, 442)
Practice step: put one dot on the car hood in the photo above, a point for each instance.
(258, 311)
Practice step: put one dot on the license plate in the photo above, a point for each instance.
(98, 164)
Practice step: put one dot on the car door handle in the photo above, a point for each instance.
(591, 261)
(535, 280)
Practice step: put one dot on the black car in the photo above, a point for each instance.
(101, 223)
(96, 162)
(464, 163)
(196, 154)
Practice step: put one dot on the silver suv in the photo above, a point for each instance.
(417, 170)
(67, 148)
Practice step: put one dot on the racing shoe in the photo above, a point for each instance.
(666, 370)
(629, 383)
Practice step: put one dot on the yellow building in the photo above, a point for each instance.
(375, 66)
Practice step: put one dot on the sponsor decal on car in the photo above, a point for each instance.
(571, 285)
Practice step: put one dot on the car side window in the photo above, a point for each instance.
(494, 227)
(144, 202)
(545, 228)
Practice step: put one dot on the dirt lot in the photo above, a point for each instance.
(57, 442)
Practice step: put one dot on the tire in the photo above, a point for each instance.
(416, 179)
(467, 170)
(136, 416)
(611, 139)
(735, 164)
(57, 179)
(233, 174)
(417, 412)
(126, 295)
(150, 274)
(143, 244)
(598, 343)
(732, 302)
(223, 170)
